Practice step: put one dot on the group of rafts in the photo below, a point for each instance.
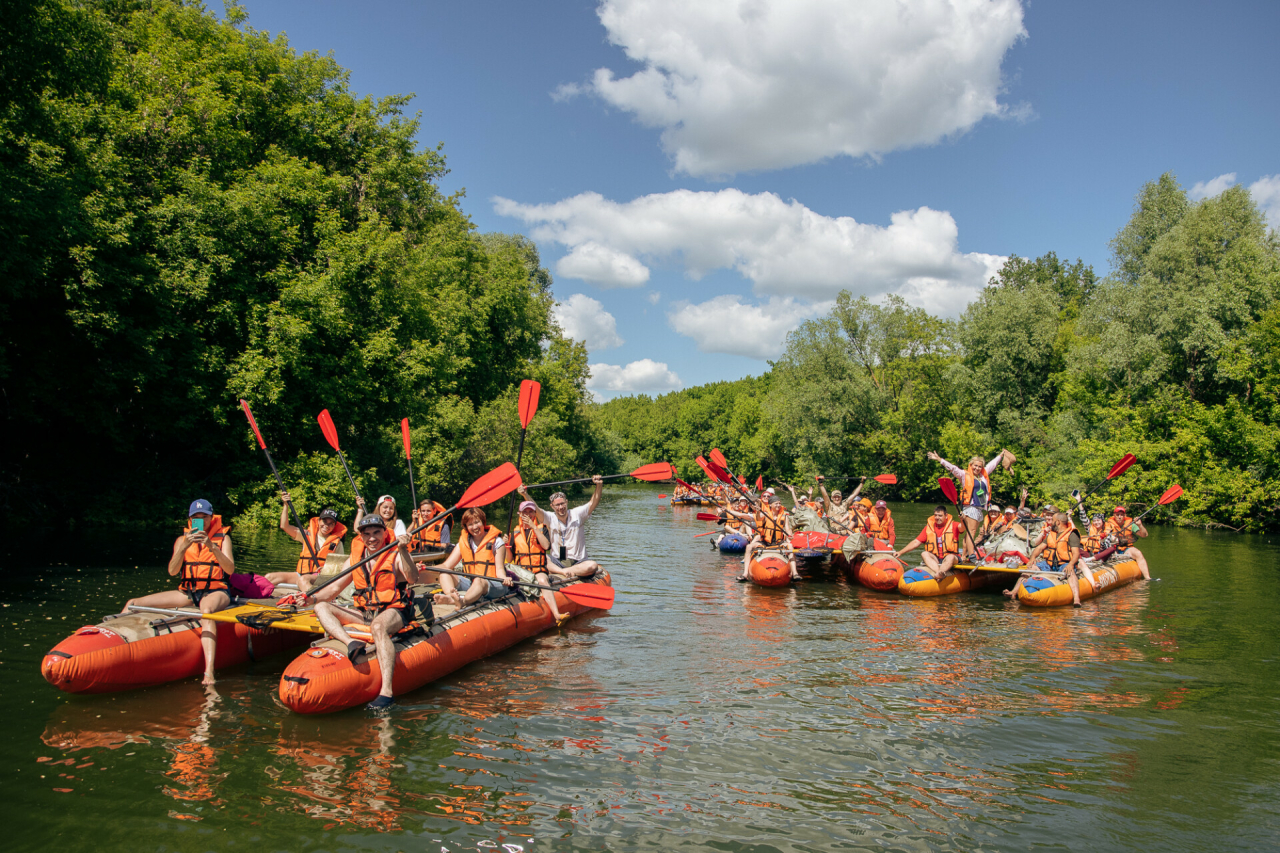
(445, 625)
(1039, 560)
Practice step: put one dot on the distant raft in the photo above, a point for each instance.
(135, 650)
(769, 568)
(1051, 589)
(879, 571)
(323, 679)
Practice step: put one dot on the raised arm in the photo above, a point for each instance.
(595, 495)
(954, 471)
(285, 524)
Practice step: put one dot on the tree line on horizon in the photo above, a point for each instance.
(1174, 357)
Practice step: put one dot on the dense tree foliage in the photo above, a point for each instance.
(1174, 357)
(195, 213)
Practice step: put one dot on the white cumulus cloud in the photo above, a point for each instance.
(724, 324)
(1210, 188)
(584, 319)
(603, 266)
(752, 84)
(783, 247)
(1266, 194)
(645, 376)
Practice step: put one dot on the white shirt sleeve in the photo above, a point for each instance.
(400, 528)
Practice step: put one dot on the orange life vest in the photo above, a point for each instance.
(1057, 547)
(966, 490)
(480, 559)
(429, 536)
(991, 528)
(815, 506)
(940, 544)
(309, 565)
(378, 585)
(881, 528)
(768, 526)
(529, 552)
(201, 571)
(1120, 527)
(1093, 541)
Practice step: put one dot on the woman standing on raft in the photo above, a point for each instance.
(202, 558)
(975, 492)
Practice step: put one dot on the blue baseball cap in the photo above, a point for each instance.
(199, 506)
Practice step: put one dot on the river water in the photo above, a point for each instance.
(697, 714)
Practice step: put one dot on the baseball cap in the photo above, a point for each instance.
(385, 498)
(770, 491)
(371, 520)
(329, 512)
(880, 504)
(198, 506)
(527, 505)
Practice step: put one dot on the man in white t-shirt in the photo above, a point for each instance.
(568, 547)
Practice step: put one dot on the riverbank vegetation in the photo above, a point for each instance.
(196, 213)
(1174, 357)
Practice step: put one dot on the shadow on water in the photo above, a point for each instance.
(699, 714)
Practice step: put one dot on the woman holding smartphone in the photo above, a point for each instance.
(202, 559)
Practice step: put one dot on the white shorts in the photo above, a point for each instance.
(972, 512)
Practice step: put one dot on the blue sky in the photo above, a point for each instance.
(700, 178)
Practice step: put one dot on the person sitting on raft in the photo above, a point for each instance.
(383, 599)
(1059, 552)
(772, 530)
(385, 507)
(202, 558)
(975, 490)
(1124, 529)
(481, 552)
(568, 545)
(880, 523)
(1097, 531)
(993, 524)
(941, 539)
(530, 542)
(322, 537)
(434, 537)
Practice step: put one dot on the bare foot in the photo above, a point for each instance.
(209, 679)
(447, 598)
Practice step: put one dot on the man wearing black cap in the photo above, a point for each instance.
(322, 537)
(383, 599)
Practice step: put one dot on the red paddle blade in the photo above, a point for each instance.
(1122, 466)
(707, 516)
(404, 432)
(760, 483)
(594, 595)
(248, 414)
(494, 486)
(686, 485)
(718, 458)
(329, 430)
(655, 472)
(706, 467)
(948, 489)
(660, 495)
(1174, 492)
(887, 479)
(529, 391)
(741, 481)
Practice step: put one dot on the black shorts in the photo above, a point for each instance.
(196, 594)
(406, 612)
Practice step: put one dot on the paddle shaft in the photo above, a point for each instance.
(413, 492)
(495, 580)
(511, 510)
(350, 478)
(297, 522)
(579, 480)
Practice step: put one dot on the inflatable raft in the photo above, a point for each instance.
(918, 583)
(323, 679)
(875, 571)
(1051, 589)
(731, 542)
(133, 650)
(769, 568)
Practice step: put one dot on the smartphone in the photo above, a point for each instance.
(197, 524)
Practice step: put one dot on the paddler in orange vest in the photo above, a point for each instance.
(1092, 541)
(974, 484)
(941, 539)
(434, 537)
(772, 531)
(480, 551)
(530, 542)
(322, 537)
(383, 599)
(880, 523)
(1059, 552)
(1124, 529)
(202, 558)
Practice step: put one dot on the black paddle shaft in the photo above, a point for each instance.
(296, 521)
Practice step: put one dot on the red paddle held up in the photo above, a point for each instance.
(331, 435)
